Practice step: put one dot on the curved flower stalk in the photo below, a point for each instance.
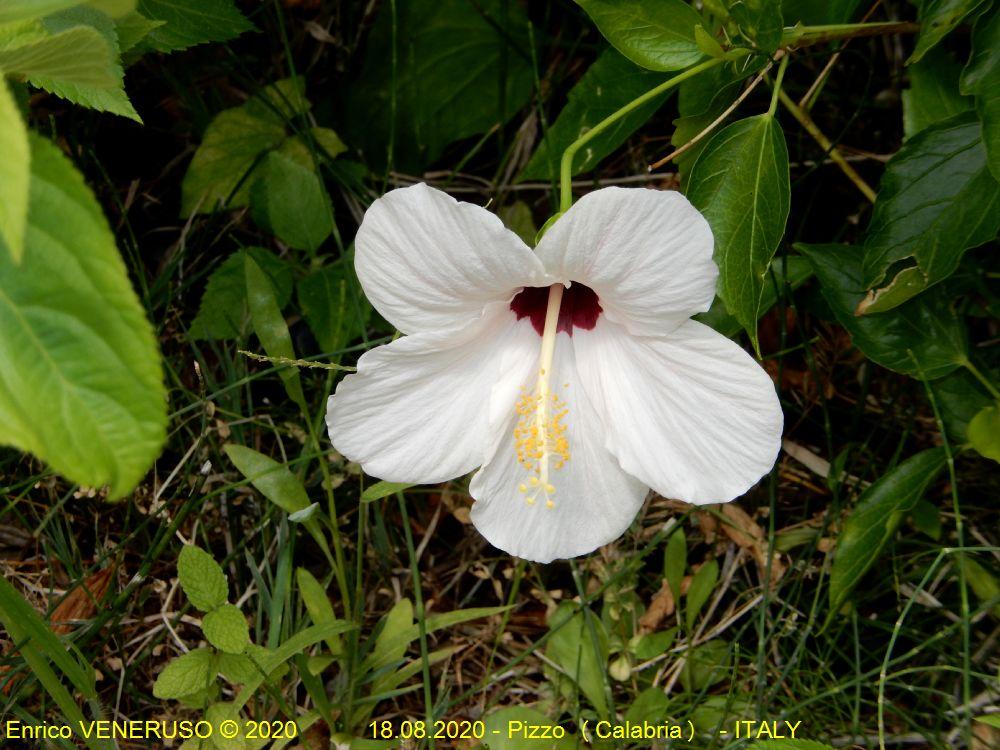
(571, 377)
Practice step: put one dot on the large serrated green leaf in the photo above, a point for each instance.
(76, 58)
(81, 385)
(656, 35)
(877, 515)
(936, 200)
(937, 19)
(740, 182)
(191, 22)
(922, 329)
(608, 85)
(202, 579)
(15, 174)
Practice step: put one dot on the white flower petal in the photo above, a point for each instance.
(691, 414)
(417, 409)
(647, 254)
(594, 500)
(428, 262)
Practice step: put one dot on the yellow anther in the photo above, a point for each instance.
(533, 481)
(549, 504)
(550, 488)
(522, 487)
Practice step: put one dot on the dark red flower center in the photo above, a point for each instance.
(580, 307)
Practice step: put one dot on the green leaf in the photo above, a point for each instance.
(937, 19)
(270, 327)
(700, 101)
(226, 628)
(202, 579)
(651, 705)
(926, 519)
(702, 583)
(984, 432)
(224, 312)
(393, 639)
(508, 729)
(81, 385)
(41, 649)
(959, 398)
(933, 93)
(655, 35)
(334, 305)
(759, 21)
(675, 561)
(15, 175)
(240, 669)
(218, 713)
(651, 645)
(133, 28)
(740, 183)
(798, 271)
(186, 674)
(191, 22)
(518, 219)
(272, 479)
(818, 12)
(706, 665)
(444, 90)
(982, 582)
(992, 720)
(325, 142)
(25, 10)
(984, 62)
(380, 490)
(936, 200)
(879, 511)
(402, 637)
(220, 173)
(608, 85)
(571, 646)
(75, 56)
(289, 201)
(927, 327)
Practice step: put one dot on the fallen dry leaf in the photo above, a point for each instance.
(746, 533)
(81, 603)
(659, 609)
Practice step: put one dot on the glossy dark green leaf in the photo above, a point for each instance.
(609, 84)
(937, 19)
(655, 35)
(223, 312)
(444, 90)
(740, 183)
(873, 522)
(925, 326)
(933, 94)
(959, 397)
(760, 21)
(936, 200)
(793, 271)
(982, 78)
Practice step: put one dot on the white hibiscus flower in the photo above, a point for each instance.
(571, 376)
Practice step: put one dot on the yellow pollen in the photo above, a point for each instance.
(540, 438)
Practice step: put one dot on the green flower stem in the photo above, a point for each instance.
(777, 86)
(801, 36)
(566, 165)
